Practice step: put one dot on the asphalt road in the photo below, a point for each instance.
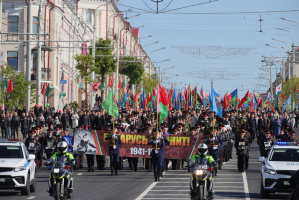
(229, 184)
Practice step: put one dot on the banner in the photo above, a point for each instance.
(134, 145)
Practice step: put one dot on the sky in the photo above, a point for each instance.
(219, 40)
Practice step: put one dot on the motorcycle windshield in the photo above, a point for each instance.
(59, 164)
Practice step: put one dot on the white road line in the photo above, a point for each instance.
(146, 191)
(31, 197)
(230, 190)
(178, 174)
(235, 186)
(173, 182)
(167, 198)
(226, 182)
(79, 174)
(174, 186)
(170, 190)
(176, 178)
(246, 189)
(169, 194)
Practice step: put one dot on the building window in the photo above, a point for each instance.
(13, 22)
(34, 61)
(88, 16)
(35, 24)
(12, 59)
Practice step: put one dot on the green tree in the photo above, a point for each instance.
(18, 96)
(85, 66)
(132, 67)
(149, 83)
(105, 63)
(289, 88)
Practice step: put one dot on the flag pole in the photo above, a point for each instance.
(157, 129)
(112, 111)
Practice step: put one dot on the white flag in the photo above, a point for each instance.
(270, 96)
(278, 89)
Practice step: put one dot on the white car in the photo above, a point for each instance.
(281, 163)
(17, 167)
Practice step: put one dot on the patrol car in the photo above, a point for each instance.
(281, 163)
(17, 167)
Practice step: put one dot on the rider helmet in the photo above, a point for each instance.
(62, 147)
(202, 149)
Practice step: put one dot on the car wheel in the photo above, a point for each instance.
(264, 193)
(32, 186)
(26, 190)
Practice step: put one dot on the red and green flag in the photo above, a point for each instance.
(47, 91)
(9, 88)
(163, 103)
(4, 84)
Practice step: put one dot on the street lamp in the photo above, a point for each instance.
(281, 41)
(282, 67)
(158, 50)
(132, 16)
(163, 61)
(287, 31)
(151, 44)
(168, 68)
(289, 20)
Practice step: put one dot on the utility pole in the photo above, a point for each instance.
(29, 63)
(39, 55)
(117, 67)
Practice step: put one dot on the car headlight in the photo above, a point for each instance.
(18, 169)
(269, 171)
(199, 172)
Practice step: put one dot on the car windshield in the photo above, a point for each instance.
(11, 152)
(284, 155)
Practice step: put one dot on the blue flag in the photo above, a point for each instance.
(213, 102)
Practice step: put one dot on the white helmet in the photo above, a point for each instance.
(62, 147)
(202, 149)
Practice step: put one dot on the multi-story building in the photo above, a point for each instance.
(65, 25)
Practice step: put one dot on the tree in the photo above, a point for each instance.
(18, 96)
(149, 83)
(134, 70)
(85, 66)
(290, 87)
(105, 63)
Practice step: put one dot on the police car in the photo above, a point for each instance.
(281, 163)
(17, 167)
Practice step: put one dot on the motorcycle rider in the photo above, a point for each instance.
(202, 153)
(65, 156)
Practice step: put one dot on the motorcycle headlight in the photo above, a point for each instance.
(269, 171)
(56, 170)
(18, 169)
(199, 172)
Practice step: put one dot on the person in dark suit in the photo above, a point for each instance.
(252, 125)
(15, 125)
(158, 144)
(65, 120)
(114, 145)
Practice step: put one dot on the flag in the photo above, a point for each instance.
(44, 89)
(110, 82)
(93, 86)
(102, 86)
(4, 84)
(199, 99)
(119, 82)
(282, 96)
(245, 99)
(9, 88)
(270, 97)
(97, 86)
(278, 89)
(109, 105)
(163, 103)
(287, 104)
(47, 91)
(213, 102)
(234, 95)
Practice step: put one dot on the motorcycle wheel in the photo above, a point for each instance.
(200, 192)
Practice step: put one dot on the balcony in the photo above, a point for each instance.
(45, 74)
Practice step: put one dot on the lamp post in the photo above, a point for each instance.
(282, 67)
(157, 50)
(151, 44)
(137, 40)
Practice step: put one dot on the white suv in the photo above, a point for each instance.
(17, 167)
(281, 163)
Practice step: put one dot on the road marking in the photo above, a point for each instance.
(146, 191)
(168, 194)
(31, 197)
(167, 198)
(226, 182)
(173, 182)
(173, 186)
(79, 174)
(170, 190)
(176, 178)
(247, 196)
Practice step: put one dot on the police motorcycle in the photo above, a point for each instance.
(201, 183)
(61, 179)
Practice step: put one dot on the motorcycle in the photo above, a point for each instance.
(60, 186)
(201, 173)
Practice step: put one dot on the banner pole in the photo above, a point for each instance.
(157, 117)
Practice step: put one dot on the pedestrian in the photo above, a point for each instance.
(15, 125)
(114, 145)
